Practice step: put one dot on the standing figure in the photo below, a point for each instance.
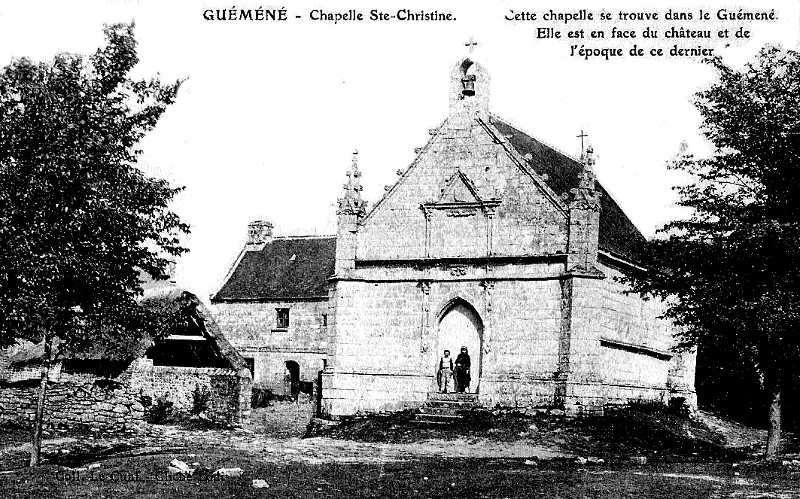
(445, 374)
(462, 370)
(287, 384)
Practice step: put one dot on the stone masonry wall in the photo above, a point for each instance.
(386, 339)
(621, 349)
(386, 346)
(377, 357)
(522, 343)
(116, 404)
(251, 329)
(228, 391)
(527, 222)
(75, 399)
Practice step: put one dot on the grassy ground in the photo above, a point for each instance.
(386, 457)
(647, 431)
(147, 477)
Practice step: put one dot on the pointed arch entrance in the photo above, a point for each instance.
(459, 325)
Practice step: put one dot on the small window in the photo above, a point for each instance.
(324, 319)
(283, 318)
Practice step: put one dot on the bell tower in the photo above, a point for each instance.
(469, 87)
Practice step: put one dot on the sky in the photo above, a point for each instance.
(270, 112)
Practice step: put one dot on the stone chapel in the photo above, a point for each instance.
(491, 240)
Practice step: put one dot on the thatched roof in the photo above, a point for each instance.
(171, 308)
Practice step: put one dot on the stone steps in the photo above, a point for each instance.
(453, 397)
(445, 408)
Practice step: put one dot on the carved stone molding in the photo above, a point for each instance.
(461, 212)
(457, 270)
(488, 287)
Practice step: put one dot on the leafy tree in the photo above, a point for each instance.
(730, 272)
(78, 219)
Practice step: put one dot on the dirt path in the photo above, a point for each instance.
(274, 436)
(316, 450)
(324, 450)
(320, 450)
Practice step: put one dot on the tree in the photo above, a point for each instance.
(730, 272)
(78, 219)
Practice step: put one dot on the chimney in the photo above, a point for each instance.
(259, 232)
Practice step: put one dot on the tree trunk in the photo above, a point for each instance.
(774, 432)
(36, 440)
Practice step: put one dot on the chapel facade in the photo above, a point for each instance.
(489, 240)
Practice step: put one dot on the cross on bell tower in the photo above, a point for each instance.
(471, 44)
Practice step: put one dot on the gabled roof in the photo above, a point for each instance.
(618, 235)
(285, 268)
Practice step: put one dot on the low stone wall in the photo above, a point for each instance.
(115, 404)
(229, 392)
(73, 400)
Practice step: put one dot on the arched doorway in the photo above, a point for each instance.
(461, 326)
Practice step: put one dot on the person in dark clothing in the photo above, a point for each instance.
(462, 375)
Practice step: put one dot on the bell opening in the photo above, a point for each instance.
(469, 85)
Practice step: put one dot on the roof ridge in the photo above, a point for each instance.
(618, 232)
(414, 162)
(512, 124)
(519, 160)
(569, 156)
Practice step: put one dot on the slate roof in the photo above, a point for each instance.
(618, 235)
(273, 274)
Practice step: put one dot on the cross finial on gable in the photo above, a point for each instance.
(582, 136)
(471, 43)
